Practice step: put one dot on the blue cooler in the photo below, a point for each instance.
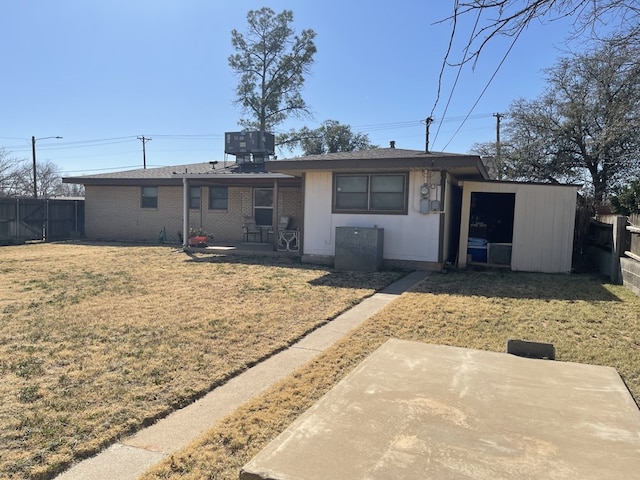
(477, 248)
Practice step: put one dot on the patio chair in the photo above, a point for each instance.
(283, 223)
(249, 227)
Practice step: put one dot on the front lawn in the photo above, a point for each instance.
(97, 341)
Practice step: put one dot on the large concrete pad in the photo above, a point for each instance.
(418, 411)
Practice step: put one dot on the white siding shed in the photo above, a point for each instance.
(543, 224)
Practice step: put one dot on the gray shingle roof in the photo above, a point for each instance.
(159, 172)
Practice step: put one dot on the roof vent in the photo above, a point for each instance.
(392, 144)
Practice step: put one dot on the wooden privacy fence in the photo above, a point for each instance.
(615, 249)
(26, 219)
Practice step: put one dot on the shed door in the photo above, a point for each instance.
(491, 227)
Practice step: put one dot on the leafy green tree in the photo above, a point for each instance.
(330, 137)
(584, 128)
(271, 62)
(627, 200)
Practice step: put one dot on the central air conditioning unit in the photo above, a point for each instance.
(243, 144)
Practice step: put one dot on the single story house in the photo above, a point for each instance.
(423, 209)
(434, 208)
(143, 204)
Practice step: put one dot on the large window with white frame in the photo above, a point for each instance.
(370, 193)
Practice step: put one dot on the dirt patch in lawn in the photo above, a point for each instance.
(97, 341)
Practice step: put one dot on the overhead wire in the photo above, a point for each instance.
(445, 62)
(461, 64)
(486, 87)
(446, 56)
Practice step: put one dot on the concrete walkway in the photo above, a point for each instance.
(131, 457)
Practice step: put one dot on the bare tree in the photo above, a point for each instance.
(512, 17)
(8, 177)
(49, 180)
(584, 128)
(71, 190)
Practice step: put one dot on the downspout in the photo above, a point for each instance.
(185, 212)
(276, 215)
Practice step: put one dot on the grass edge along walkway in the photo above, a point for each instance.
(134, 455)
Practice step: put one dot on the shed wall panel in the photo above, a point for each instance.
(411, 237)
(544, 224)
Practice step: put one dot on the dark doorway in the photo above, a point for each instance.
(491, 227)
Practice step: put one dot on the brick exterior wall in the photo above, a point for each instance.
(113, 213)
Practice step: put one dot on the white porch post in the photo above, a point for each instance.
(185, 212)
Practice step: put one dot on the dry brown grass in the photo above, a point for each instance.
(97, 341)
(587, 320)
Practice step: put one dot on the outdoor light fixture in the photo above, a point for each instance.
(33, 153)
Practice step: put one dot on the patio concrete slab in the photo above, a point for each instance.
(416, 411)
(132, 456)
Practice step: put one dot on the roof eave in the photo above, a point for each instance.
(452, 163)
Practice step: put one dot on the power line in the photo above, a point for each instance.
(462, 63)
(486, 87)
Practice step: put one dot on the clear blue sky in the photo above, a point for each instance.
(100, 74)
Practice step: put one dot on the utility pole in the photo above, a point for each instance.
(144, 141)
(428, 121)
(498, 153)
(33, 156)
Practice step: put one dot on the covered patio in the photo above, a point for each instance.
(271, 226)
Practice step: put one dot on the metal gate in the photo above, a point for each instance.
(23, 220)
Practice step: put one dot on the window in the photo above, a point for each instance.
(194, 197)
(263, 206)
(370, 193)
(149, 197)
(218, 198)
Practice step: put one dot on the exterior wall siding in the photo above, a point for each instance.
(414, 237)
